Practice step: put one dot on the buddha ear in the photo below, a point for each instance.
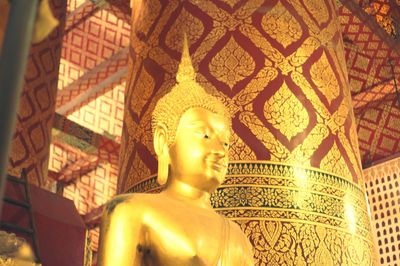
(161, 149)
(160, 139)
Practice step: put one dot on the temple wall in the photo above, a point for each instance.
(382, 182)
(294, 183)
(31, 140)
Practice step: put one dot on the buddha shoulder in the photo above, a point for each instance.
(237, 233)
(241, 243)
(128, 205)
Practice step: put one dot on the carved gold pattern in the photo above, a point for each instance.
(185, 22)
(333, 162)
(301, 155)
(148, 16)
(354, 158)
(335, 122)
(139, 169)
(144, 88)
(286, 113)
(318, 9)
(239, 149)
(336, 52)
(278, 151)
(281, 25)
(354, 139)
(256, 85)
(325, 79)
(232, 64)
(231, 3)
(301, 244)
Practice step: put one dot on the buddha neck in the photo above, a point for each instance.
(187, 193)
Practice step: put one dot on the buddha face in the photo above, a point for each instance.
(199, 155)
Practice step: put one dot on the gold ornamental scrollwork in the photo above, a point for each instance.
(334, 163)
(324, 77)
(286, 113)
(144, 88)
(281, 25)
(318, 9)
(232, 64)
(190, 24)
(239, 149)
(278, 151)
(231, 3)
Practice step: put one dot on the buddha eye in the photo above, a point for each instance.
(226, 144)
(206, 136)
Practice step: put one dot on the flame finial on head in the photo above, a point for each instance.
(185, 70)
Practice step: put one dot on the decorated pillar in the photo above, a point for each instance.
(32, 136)
(294, 183)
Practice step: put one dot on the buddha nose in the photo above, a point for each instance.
(219, 149)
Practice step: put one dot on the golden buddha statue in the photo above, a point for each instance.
(45, 22)
(15, 251)
(178, 226)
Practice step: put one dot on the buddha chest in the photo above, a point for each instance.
(176, 234)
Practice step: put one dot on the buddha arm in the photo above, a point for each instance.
(119, 235)
(244, 248)
(248, 259)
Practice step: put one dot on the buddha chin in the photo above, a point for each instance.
(215, 173)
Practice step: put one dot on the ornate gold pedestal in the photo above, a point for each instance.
(294, 184)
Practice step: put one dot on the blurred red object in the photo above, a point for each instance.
(60, 229)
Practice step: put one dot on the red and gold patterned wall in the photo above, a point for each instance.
(295, 184)
(31, 141)
(383, 188)
(90, 103)
(4, 9)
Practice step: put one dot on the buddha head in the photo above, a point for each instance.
(191, 130)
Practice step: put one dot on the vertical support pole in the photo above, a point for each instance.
(13, 60)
